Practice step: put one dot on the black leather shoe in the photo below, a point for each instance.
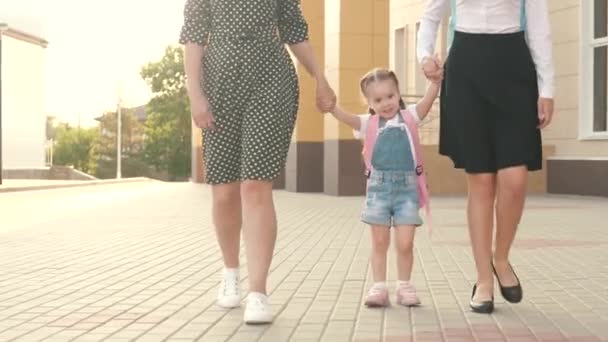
(485, 307)
(512, 294)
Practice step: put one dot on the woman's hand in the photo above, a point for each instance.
(432, 68)
(201, 113)
(545, 112)
(326, 98)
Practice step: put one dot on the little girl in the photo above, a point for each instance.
(396, 186)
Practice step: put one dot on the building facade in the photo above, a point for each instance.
(22, 98)
(576, 143)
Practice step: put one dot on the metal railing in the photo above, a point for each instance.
(433, 115)
(429, 128)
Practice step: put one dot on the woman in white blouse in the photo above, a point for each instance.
(497, 94)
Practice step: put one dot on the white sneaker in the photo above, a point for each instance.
(229, 293)
(258, 310)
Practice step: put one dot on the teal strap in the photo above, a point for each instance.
(522, 16)
(452, 25)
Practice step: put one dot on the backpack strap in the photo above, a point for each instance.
(522, 16)
(452, 24)
(370, 140)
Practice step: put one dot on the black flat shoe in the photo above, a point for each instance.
(512, 294)
(485, 307)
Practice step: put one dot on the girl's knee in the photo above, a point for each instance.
(381, 239)
(405, 246)
(381, 246)
(404, 238)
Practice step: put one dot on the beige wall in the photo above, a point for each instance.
(566, 28)
(309, 126)
(567, 38)
(355, 37)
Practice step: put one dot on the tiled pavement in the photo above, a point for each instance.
(139, 262)
(12, 185)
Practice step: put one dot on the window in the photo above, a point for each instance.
(401, 57)
(594, 111)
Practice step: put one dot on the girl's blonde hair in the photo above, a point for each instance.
(376, 75)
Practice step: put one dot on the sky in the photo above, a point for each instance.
(94, 47)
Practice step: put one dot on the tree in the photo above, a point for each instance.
(131, 145)
(168, 127)
(76, 147)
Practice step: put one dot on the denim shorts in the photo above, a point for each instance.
(392, 199)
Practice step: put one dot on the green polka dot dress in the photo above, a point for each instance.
(250, 81)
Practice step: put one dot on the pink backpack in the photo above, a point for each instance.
(368, 147)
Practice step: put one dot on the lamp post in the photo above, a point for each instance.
(119, 93)
(119, 140)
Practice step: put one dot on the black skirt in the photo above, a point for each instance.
(489, 104)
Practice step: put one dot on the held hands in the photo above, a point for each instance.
(545, 112)
(433, 68)
(201, 113)
(326, 98)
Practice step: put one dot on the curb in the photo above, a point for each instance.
(72, 185)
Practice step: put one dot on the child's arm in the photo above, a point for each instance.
(350, 119)
(424, 106)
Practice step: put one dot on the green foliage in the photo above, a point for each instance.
(168, 128)
(76, 147)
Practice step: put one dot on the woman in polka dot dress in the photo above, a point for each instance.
(243, 92)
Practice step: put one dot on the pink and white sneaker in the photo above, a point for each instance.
(406, 294)
(377, 297)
